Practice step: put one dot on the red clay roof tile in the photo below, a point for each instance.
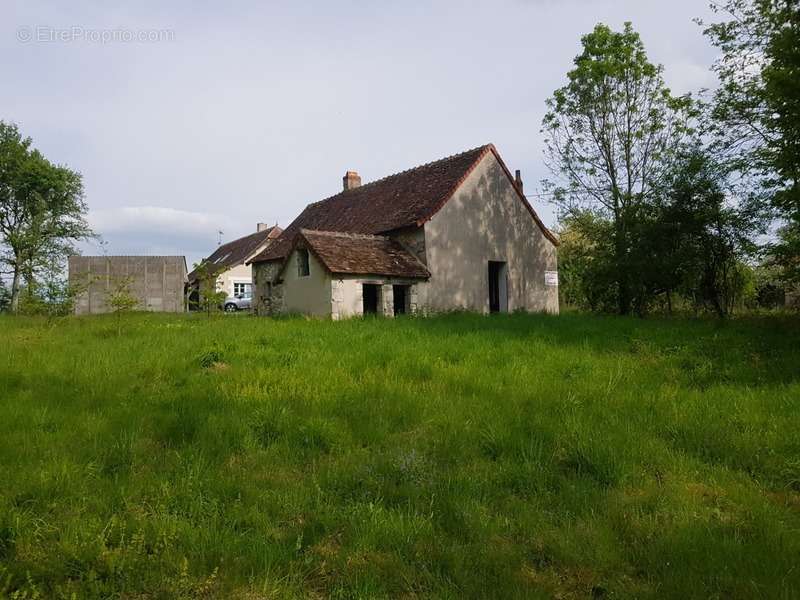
(405, 199)
(362, 254)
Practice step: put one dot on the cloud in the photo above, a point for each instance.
(254, 111)
(156, 219)
(159, 230)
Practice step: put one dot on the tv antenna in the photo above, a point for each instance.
(219, 237)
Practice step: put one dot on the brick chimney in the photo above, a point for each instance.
(262, 227)
(518, 180)
(351, 180)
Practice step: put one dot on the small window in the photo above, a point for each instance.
(303, 269)
(242, 290)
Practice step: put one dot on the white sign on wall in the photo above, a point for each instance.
(551, 278)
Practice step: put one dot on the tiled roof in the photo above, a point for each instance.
(352, 253)
(401, 200)
(236, 252)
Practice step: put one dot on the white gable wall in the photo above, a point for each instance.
(484, 221)
(237, 274)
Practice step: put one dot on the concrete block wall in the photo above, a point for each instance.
(157, 282)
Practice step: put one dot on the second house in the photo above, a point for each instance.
(234, 274)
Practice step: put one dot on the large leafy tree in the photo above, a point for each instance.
(699, 236)
(757, 105)
(688, 246)
(610, 133)
(41, 210)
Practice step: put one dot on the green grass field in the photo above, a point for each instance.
(457, 456)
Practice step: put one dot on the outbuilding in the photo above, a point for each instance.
(157, 282)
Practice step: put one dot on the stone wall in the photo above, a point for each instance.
(267, 296)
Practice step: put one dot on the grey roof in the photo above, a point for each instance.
(234, 253)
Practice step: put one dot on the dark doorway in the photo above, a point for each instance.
(194, 299)
(400, 299)
(497, 287)
(371, 296)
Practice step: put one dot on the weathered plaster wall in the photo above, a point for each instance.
(309, 295)
(157, 282)
(348, 299)
(413, 238)
(486, 221)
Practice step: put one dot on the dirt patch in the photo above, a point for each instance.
(218, 367)
(786, 499)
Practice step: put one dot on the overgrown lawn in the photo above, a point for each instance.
(458, 456)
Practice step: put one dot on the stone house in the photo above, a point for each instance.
(454, 234)
(236, 276)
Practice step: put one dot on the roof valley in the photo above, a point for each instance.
(386, 204)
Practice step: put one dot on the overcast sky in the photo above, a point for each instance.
(233, 113)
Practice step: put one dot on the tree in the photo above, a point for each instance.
(50, 294)
(121, 300)
(770, 292)
(786, 253)
(585, 262)
(699, 236)
(688, 246)
(209, 298)
(41, 210)
(609, 138)
(757, 105)
(5, 296)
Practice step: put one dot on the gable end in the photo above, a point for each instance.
(551, 237)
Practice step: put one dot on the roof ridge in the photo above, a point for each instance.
(253, 234)
(406, 171)
(264, 232)
(408, 198)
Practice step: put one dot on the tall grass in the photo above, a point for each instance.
(457, 456)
